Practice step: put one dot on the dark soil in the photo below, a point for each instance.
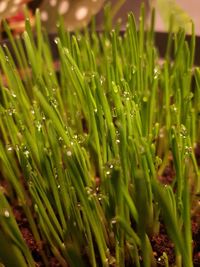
(160, 242)
(29, 238)
(196, 240)
(197, 153)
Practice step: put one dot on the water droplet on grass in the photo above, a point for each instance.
(115, 87)
(14, 95)
(89, 190)
(9, 148)
(141, 150)
(69, 153)
(63, 245)
(38, 126)
(145, 99)
(156, 72)
(183, 131)
(26, 152)
(107, 43)
(6, 214)
(60, 139)
(114, 221)
(11, 111)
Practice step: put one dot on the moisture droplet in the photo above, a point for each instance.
(183, 131)
(117, 141)
(60, 139)
(79, 205)
(26, 153)
(156, 72)
(54, 102)
(38, 126)
(6, 214)
(114, 221)
(69, 153)
(63, 245)
(106, 261)
(188, 150)
(14, 95)
(102, 79)
(11, 111)
(142, 150)
(107, 43)
(133, 69)
(173, 108)
(36, 207)
(145, 99)
(9, 148)
(89, 190)
(115, 87)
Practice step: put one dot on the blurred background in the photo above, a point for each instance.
(78, 13)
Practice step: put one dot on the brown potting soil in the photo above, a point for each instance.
(28, 237)
(160, 242)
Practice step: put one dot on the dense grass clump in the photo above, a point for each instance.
(86, 139)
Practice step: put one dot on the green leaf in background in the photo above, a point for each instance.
(170, 8)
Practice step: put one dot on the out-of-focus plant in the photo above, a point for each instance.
(9, 8)
(170, 9)
(78, 13)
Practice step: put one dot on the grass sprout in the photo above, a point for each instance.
(85, 140)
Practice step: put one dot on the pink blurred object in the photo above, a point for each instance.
(12, 11)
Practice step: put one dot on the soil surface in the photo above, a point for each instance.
(28, 237)
(160, 242)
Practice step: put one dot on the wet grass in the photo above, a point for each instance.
(82, 151)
